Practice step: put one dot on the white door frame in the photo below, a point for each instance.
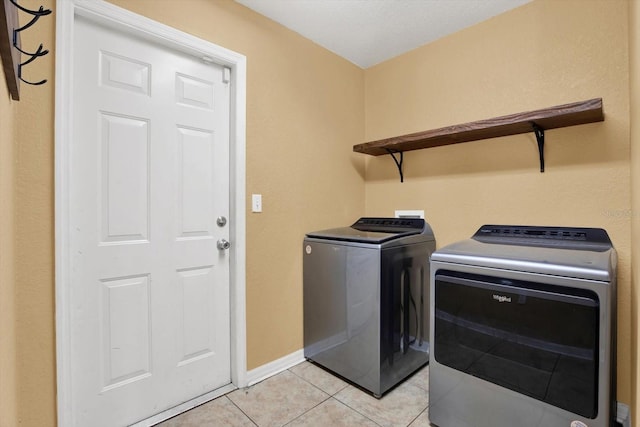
(125, 21)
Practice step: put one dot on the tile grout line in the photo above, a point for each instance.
(308, 410)
(418, 416)
(240, 409)
(329, 396)
(364, 415)
(355, 410)
(326, 397)
(358, 412)
(309, 382)
(333, 396)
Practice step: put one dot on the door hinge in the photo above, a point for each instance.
(226, 74)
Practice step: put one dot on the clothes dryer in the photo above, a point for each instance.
(523, 329)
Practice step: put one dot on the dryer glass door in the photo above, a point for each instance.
(532, 338)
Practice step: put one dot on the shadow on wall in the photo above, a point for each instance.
(358, 162)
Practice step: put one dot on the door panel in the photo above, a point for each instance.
(124, 73)
(197, 335)
(124, 186)
(149, 174)
(195, 190)
(125, 330)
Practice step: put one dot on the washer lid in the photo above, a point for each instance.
(583, 253)
(374, 230)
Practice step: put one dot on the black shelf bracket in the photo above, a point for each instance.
(398, 163)
(539, 132)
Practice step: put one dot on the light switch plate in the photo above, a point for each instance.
(256, 203)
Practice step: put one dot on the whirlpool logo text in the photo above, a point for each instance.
(501, 298)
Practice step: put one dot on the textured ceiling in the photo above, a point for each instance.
(367, 32)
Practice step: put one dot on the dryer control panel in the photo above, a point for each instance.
(569, 237)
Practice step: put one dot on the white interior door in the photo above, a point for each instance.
(148, 177)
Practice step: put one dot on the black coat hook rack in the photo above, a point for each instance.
(11, 50)
(36, 14)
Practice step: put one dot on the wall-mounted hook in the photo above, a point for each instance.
(33, 57)
(16, 40)
(40, 12)
(39, 52)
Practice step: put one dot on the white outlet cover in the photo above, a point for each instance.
(410, 214)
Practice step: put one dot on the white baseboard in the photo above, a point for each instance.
(265, 371)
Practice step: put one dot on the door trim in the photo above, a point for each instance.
(128, 22)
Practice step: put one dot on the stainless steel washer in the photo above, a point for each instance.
(366, 300)
(523, 329)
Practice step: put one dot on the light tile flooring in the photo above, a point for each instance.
(306, 395)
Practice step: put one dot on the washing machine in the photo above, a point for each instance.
(523, 329)
(366, 300)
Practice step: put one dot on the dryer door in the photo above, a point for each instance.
(535, 339)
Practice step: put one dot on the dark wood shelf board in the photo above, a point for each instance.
(10, 56)
(576, 113)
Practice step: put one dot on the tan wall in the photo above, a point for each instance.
(7, 307)
(304, 112)
(34, 256)
(634, 73)
(542, 54)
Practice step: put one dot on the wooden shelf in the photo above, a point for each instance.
(559, 116)
(10, 57)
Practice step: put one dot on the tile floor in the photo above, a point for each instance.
(306, 395)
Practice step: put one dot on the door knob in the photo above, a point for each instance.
(223, 244)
